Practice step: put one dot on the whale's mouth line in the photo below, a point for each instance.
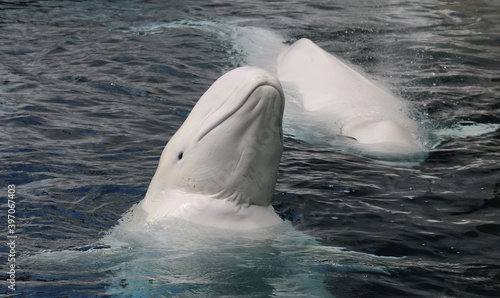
(236, 109)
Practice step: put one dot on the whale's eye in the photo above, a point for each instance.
(180, 155)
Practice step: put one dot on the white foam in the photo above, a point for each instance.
(462, 129)
(258, 46)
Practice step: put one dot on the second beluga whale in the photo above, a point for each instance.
(345, 102)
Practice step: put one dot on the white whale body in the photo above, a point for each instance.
(220, 167)
(346, 102)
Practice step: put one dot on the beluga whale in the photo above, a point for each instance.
(220, 168)
(343, 101)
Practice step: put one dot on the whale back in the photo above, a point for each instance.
(343, 98)
(324, 80)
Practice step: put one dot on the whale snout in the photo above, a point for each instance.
(259, 103)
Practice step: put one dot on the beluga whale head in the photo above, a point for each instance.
(220, 168)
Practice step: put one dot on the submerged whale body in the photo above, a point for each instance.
(221, 166)
(345, 102)
(181, 259)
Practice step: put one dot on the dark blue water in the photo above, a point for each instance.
(91, 91)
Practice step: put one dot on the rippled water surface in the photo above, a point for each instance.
(91, 91)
